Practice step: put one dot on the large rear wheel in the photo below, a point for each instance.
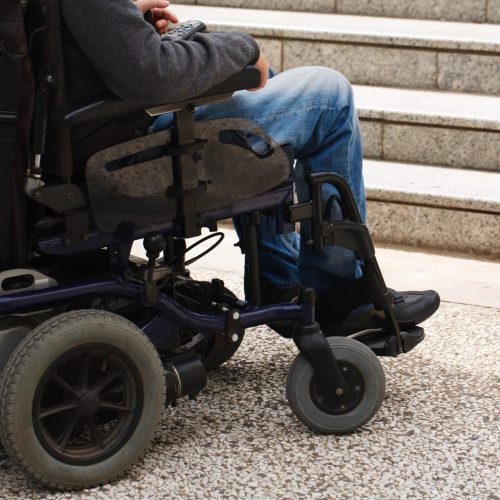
(80, 399)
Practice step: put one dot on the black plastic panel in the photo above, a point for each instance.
(128, 183)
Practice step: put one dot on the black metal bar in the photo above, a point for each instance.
(252, 259)
(317, 220)
(343, 188)
(315, 181)
(307, 298)
(315, 348)
(185, 171)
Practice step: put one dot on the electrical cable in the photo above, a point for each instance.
(199, 256)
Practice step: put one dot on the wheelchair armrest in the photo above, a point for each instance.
(109, 106)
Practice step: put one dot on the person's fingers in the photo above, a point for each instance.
(161, 26)
(162, 23)
(145, 5)
(263, 66)
(164, 13)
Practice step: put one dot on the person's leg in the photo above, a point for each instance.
(311, 109)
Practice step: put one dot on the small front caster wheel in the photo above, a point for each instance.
(80, 399)
(345, 412)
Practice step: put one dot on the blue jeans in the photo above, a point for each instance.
(312, 109)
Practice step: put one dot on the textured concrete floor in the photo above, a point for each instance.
(436, 435)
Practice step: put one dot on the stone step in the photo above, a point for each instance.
(434, 55)
(440, 128)
(434, 207)
(473, 11)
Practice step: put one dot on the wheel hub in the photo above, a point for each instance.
(345, 400)
(88, 405)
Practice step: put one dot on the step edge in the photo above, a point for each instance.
(433, 200)
(424, 40)
(419, 118)
(390, 40)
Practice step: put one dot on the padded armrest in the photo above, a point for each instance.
(109, 106)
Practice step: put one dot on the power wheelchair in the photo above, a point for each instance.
(95, 342)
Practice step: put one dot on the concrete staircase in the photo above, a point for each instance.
(471, 11)
(427, 94)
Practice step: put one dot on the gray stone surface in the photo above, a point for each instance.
(493, 15)
(372, 139)
(469, 73)
(366, 64)
(272, 50)
(437, 228)
(302, 5)
(435, 35)
(435, 436)
(425, 185)
(442, 146)
(447, 109)
(375, 51)
(449, 10)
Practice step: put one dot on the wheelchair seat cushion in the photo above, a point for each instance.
(128, 183)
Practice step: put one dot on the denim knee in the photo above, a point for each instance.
(330, 84)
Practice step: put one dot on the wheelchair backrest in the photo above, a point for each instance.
(17, 90)
(31, 85)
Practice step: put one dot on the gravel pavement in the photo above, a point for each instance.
(436, 435)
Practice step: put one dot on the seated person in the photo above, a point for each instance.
(109, 45)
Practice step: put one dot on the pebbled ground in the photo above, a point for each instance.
(436, 435)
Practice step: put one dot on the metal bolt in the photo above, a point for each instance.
(344, 369)
(70, 196)
(357, 388)
(310, 243)
(342, 406)
(236, 315)
(339, 391)
(38, 195)
(234, 337)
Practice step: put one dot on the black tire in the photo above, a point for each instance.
(109, 376)
(321, 413)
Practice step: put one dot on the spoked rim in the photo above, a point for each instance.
(87, 404)
(344, 401)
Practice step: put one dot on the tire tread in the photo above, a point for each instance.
(19, 360)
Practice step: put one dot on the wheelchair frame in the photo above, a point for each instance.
(185, 372)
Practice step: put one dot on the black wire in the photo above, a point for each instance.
(208, 250)
(194, 259)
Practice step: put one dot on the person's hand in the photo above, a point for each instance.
(162, 15)
(263, 67)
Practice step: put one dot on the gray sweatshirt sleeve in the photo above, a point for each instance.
(136, 65)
